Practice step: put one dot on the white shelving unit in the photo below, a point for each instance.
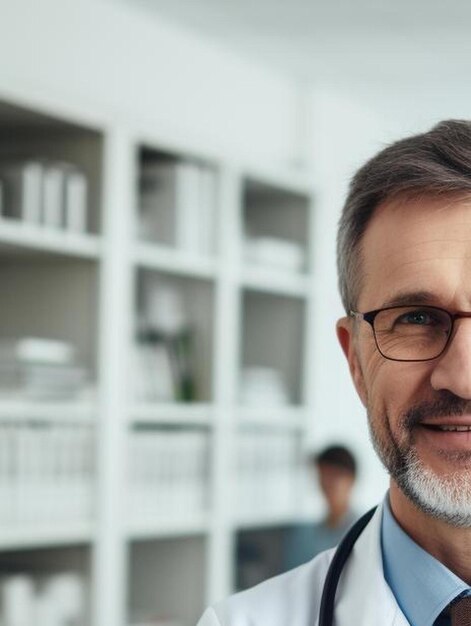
(91, 290)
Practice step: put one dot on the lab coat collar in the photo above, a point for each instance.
(362, 588)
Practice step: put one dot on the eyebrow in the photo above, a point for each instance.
(411, 297)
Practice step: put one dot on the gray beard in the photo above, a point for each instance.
(447, 498)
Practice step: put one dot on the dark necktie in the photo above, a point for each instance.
(460, 612)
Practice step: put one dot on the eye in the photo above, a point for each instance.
(418, 318)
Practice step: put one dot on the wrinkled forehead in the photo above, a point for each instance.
(418, 244)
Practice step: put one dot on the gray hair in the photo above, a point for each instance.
(435, 163)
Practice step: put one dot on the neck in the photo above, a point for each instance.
(336, 515)
(448, 544)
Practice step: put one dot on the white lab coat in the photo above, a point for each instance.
(293, 599)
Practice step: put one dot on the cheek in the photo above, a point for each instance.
(377, 378)
(394, 387)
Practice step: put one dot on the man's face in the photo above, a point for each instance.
(336, 484)
(418, 252)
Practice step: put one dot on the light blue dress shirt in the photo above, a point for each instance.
(422, 585)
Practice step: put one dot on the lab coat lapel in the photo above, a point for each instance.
(363, 596)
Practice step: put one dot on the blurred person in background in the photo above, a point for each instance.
(336, 472)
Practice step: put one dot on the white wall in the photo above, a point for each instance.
(117, 63)
(347, 127)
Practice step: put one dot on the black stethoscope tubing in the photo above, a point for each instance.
(326, 611)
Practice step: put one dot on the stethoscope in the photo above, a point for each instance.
(326, 612)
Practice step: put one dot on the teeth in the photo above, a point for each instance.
(459, 429)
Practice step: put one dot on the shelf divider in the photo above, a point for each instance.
(109, 556)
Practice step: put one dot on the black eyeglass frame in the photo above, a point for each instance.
(370, 316)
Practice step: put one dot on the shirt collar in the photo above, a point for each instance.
(422, 585)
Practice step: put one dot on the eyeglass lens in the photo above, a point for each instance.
(412, 333)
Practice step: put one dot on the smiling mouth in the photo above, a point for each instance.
(447, 428)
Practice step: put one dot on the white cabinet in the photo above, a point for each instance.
(184, 306)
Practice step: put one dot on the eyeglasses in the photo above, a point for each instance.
(411, 333)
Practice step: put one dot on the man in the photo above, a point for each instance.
(404, 257)
(336, 471)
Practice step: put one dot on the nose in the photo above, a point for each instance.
(453, 369)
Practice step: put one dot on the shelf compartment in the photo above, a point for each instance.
(154, 566)
(272, 351)
(47, 475)
(61, 150)
(291, 181)
(47, 299)
(169, 473)
(45, 581)
(259, 555)
(267, 471)
(275, 227)
(173, 350)
(177, 202)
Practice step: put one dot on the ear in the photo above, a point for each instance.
(345, 334)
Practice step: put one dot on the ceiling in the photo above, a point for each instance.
(329, 40)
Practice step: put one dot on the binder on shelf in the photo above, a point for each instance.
(42, 599)
(267, 472)
(22, 183)
(60, 600)
(53, 196)
(45, 193)
(46, 473)
(157, 202)
(208, 205)
(40, 369)
(36, 350)
(18, 600)
(168, 472)
(187, 202)
(177, 205)
(76, 191)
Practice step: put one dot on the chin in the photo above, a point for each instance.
(442, 495)
(446, 497)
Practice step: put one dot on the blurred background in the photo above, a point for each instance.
(171, 176)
